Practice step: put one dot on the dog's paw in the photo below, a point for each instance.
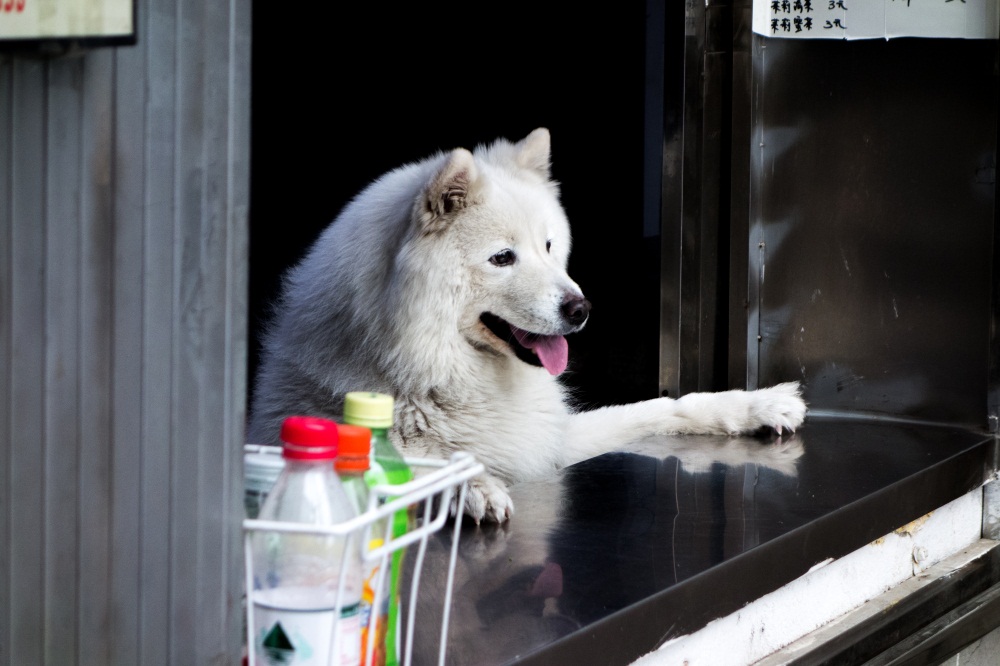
(486, 499)
(779, 407)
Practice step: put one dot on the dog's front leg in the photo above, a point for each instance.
(598, 431)
(486, 497)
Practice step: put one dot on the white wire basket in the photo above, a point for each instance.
(436, 487)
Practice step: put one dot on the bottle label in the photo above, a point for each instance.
(294, 628)
(373, 586)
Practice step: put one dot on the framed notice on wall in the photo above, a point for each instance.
(877, 19)
(89, 21)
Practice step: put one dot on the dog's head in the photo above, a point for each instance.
(500, 212)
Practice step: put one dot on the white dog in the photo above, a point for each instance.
(444, 284)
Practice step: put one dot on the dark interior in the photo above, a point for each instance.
(352, 93)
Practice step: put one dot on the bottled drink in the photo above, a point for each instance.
(353, 464)
(297, 580)
(375, 411)
(261, 467)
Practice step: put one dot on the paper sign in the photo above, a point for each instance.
(877, 19)
(61, 19)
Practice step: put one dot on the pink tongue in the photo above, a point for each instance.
(552, 350)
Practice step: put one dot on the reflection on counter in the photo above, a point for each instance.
(590, 541)
(677, 540)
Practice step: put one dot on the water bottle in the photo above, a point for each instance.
(307, 587)
(261, 467)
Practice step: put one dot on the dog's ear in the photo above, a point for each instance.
(533, 152)
(448, 191)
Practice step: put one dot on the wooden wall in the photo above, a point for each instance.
(124, 176)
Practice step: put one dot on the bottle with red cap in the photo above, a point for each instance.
(307, 586)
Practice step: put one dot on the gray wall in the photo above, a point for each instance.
(123, 240)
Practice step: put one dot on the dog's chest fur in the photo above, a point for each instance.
(521, 432)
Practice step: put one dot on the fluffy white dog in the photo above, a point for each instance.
(444, 284)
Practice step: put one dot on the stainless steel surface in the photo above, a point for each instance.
(872, 223)
(695, 201)
(860, 189)
(681, 128)
(607, 559)
(738, 371)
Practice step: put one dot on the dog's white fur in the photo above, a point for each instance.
(390, 297)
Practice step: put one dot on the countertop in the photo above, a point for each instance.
(610, 557)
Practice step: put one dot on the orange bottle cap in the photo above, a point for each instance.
(354, 447)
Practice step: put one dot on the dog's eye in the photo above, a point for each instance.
(548, 246)
(503, 258)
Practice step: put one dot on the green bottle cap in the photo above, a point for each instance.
(368, 409)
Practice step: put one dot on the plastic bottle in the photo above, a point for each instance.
(261, 467)
(375, 411)
(297, 576)
(353, 464)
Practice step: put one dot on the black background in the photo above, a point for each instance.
(342, 94)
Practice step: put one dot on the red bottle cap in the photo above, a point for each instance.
(309, 438)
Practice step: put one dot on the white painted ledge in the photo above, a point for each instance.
(813, 603)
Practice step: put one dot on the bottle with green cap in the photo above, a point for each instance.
(375, 412)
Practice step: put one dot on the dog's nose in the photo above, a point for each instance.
(576, 309)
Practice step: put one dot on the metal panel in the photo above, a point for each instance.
(993, 399)
(873, 238)
(675, 155)
(60, 436)
(124, 180)
(27, 362)
(160, 301)
(695, 244)
(739, 197)
(696, 132)
(6, 378)
(851, 147)
(130, 231)
(94, 287)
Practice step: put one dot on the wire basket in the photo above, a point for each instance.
(437, 486)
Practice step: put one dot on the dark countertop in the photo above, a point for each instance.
(612, 556)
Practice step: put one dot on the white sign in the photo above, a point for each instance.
(63, 19)
(876, 19)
